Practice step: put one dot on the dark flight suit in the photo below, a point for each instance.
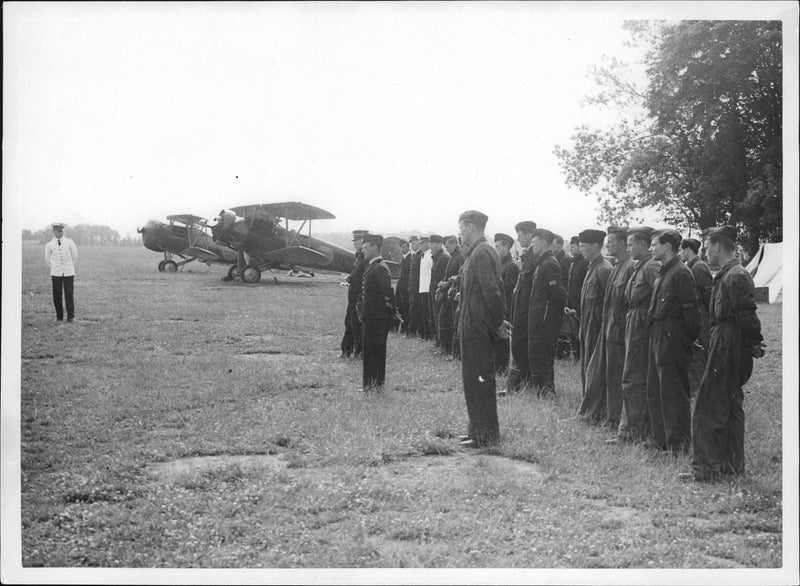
(545, 312)
(401, 291)
(351, 341)
(674, 324)
(519, 374)
(509, 272)
(564, 262)
(377, 309)
(718, 417)
(703, 280)
(482, 308)
(614, 311)
(414, 313)
(634, 418)
(438, 271)
(446, 317)
(577, 273)
(593, 355)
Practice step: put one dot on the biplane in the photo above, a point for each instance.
(263, 239)
(187, 237)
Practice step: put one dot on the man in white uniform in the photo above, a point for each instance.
(61, 254)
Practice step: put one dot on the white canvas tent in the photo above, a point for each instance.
(767, 270)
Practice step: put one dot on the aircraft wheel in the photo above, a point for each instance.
(251, 274)
(232, 273)
(170, 266)
(161, 266)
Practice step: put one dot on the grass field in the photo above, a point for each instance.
(186, 422)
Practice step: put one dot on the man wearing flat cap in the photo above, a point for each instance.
(577, 273)
(415, 317)
(509, 272)
(545, 312)
(593, 355)
(614, 312)
(438, 269)
(634, 415)
(480, 324)
(376, 311)
(351, 341)
(446, 290)
(519, 374)
(735, 339)
(674, 326)
(401, 288)
(61, 254)
(690, 254)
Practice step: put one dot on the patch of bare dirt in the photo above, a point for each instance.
(183, 467)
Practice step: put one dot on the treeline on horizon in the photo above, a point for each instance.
(84, 235)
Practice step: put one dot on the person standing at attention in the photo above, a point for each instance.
(61, 254)
(376, 310)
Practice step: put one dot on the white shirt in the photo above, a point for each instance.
(61, 258)
(425, 266)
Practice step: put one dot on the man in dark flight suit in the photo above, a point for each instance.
(735, 339)
(520, 372)
(481, 322)
(689, 253)
(674, 325)
(509, 272)
(446, 318)
(440, 258)
(545, 312)
(593, 356)
(351, 341)
(564, 260)
(414, 315)
(614, 312)
(577, 273)
(401, 288)
(376, 310)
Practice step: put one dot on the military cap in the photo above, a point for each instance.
(669, 235)
(505, 238)
(544, 234)
(645, 231)
(618, 230)
(475, 217)
(450, 237)
(401, 242)
(376, 239)
(359, 234)
(574, 240)
(727, 231)
(592, 236)
(424, 239)
(692, 243)
(413, 239)
(58, 226)
(435, 238)
(526, 226)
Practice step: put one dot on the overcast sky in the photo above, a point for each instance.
(394, 117)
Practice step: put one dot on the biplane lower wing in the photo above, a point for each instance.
(202, 254)
(299, 256)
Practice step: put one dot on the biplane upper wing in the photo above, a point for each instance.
(299, 256)
(187, 219)
(291, 210)
(201, 253)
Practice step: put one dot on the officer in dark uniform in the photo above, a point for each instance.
(509, 273)
(689, 253)
(577, 273)
(376, 311)
(351, 341)
(674, 326)
(564, 260)
(414, 315)
(735, 339)
(520, 373)
(593, 356)
(448, 315)
(440, 259)
(401, 288)
(481, 322)
(545, 312)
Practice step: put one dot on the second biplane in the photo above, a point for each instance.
(187, 237)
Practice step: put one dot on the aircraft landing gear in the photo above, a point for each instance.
(170, 266)
(233, 272)
(251, 274)
(161, 266)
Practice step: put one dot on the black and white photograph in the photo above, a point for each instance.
(400, 293)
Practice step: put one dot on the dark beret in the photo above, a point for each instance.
(376, 239)
(475, 217)
(592, 236)
(618, 230)
(424, 239)
(402, 242)
(545, 234)
(727, 231)
(526, 226)
(574, 240)
(435, 238)
(692, 243)
(500, 237)
(645, 231)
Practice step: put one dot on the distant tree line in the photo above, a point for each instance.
(84, 235)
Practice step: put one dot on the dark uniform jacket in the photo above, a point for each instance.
(377, 297)
(638, 292)
(405, 273)
(564, 262)
(438, 270)
(522, 294)
(577, 273)
(592, 299)
(674, 301)
(615, 305)
(482, 305)
(703, 283)
(509, 272)
(355, 278)
(546, 306)
(413, 274)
